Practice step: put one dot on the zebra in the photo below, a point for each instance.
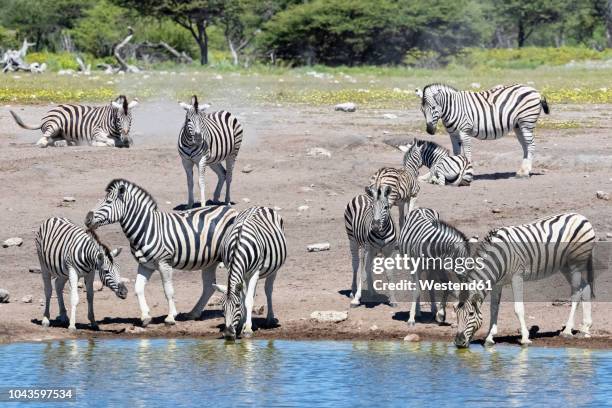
(254, 248)
(370, 229)
(68, 252)
(426, 236)
(164, 241)
(484, 115)
(560, 243)
(404, 188)
(206, 139)
(444, 168)
(107, 125)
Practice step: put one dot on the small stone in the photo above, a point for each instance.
(135, 330)
(34, 270)
(277, 208)
(246, 200)
(475, 85)
(81, 284)
(69, 199)
(305, 189)
(125, 280)
(321, 246)
(609, 235)
(11, 242)
(60, 143)
(412, 337)
(318, 151)
(495, 210)
(346, 107)
(4, 296)
(602, 195)
(247, 169)
(26, 299)
(259, 310)
(329, 316)
(389, 116)
(373, 327)
(332, 194)
(97, 286)
(303, 208)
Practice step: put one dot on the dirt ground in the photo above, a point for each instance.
(570, 166)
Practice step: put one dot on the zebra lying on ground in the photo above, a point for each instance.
(254, 248)
(561, 243)
(206, 139)
(79, 124)
(425, 236)
(370, 229)
(165, 240)
(484, 115)
(443, 168)
(66, 253)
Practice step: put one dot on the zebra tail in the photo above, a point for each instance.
(591, 275)
(545, 105)
(22, 124)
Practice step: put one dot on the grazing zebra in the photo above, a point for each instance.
(484, 115)
(443, 168)
(67, 252)
(165, 241)
(561, 243)
(254, 248)
(425, 236)
(370, 229)
(404, 188)
(206, 139)
(107, 125)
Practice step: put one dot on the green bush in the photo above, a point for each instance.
(54, 61)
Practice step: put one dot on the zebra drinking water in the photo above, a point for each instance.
(165, 241)
(80, 124)
(206, 139)
(254, 248)
(561, 243)
(67, 252)
(443, 168)
(484, 115)
(370, 229)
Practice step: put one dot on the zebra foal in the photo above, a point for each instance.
(67, 252)
(80, 124)
(254, 248)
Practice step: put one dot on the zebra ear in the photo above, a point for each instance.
(204, 107)
(116, 105)
(476, 300)
(133, 104)
(220, 288)
(418, 92)
(115, 252)
(386, 190)
(404, 148)
(121, 192)
(185, 106)
(194, 102)
(369, 191)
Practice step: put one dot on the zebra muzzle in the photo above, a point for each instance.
(122, 291)
(89, 220)
(431, 129)
(229, 333)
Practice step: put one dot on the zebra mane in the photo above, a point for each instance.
(445, 224)
(439, 85)
(93, 235)
(425, 143)
(130, 186)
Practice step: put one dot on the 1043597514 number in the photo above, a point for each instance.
(8, 394)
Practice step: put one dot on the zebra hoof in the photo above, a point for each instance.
(411, 323)
(145, 321)
(567, 335)
(525, 342)
(355, 303)
(489, 342)
(72, 328)
(45, 322)
(169, 321)
(247, 334)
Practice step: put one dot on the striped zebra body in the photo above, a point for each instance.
(254, 248)
(404, 188)
(561, 243)
(67, 252)
(207, 139)
(165, 240)
(425, 235)
(79, 124)
(444, 168)
(485, 115)
(370, 229)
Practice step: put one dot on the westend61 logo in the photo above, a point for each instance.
(459, 265)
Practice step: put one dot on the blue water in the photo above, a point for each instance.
(212, 373)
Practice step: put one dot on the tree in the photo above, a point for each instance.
(193, 15)
(526, 16)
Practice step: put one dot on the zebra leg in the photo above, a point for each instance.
(525, 137)
(358, 258)
(166, 277)
(574, 277)
(202, 182)
(221, 176)
(249, 301)
(229, 172)
(456, 142)
(519, 307)
(415, 300)
(46, 276)
(441, 315)
(466, 145)
(495, 299)
(60, 282)
(188, 166)
(269, 287)
(143, 276)
(587, 320)
(390, 273)
(47, 136)
(73, 279)
(89, 280)
(101, 139)
(209, 278)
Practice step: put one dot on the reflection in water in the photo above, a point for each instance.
(179, 372)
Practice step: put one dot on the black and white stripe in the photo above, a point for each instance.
(207, 139)
(80, 124)
(370, 229)
(254, 248)
(165, 240)
(561, 243)
(485, 115)
(66, 253)
(404, 188)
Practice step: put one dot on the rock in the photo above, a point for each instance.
(34, 270)
(69, 199)
(135, 330)
(346, 107)
(60, 143)
(125, 280)
(259, 310)
(373, 327)
(26, 299)
(321, 246)
(246, 200)
(247, 169)
(305, 189)
(602, 195)
(303, 208)
(495, 210)
(609, 235)
(97, 286)
(412, 337)
(11, 242)
(318, 151)
(389, 116)
(277, 208)
(4, 296)
(328, 316)
(475, 85)
(81, 284)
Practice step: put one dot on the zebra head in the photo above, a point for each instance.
(234, 308)
(413, 157)
(469, 318)
(111, 209)
(194, 126)
(431, 106)
(108, 270)
(380, 206)
(122, 118)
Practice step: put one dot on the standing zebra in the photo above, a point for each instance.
(206, 139)
(67, 252)
(425, 236)
(484, 115)
(254, 248)
(561, 243)
(162, 241)
(79, 124)
(370, 229)
(443, 168)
